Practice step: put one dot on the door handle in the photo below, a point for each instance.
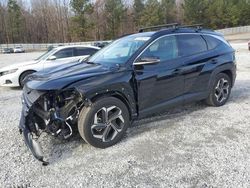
(185, 70)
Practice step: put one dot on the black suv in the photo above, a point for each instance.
(133, 77)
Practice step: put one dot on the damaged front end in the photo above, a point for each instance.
(54, 112)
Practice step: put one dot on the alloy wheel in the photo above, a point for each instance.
(222, 90)
(108, 122)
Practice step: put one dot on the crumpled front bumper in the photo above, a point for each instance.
(28, 99)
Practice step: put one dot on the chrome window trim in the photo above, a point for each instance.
(176, 34)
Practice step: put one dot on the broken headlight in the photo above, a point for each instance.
(55, 112)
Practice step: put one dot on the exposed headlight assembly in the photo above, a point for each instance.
(8, 72)
(55, 112)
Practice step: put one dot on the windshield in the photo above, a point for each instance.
(46, 55)
(119, 51)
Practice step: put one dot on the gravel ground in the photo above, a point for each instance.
(190, 146)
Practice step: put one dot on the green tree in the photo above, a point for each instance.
(81, 23)
(115, 12)
(169, 10)
(217, 13)
(195, 11)
(226, 13)
(152, 13)
(244, 12)
(14, 22)
(138, 8)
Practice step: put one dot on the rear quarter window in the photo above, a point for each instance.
(191, 44)
(212, 42)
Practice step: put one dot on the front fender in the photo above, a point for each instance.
(118, 84)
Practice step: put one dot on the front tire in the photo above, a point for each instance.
(23, 76)
(220, 91)
(104, 123)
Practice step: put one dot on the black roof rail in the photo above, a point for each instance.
(197, 26)
(174, 25)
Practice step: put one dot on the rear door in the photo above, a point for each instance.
(194, 52)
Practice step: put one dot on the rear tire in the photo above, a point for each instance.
(104, 123)
(220, 91)
(23, 76)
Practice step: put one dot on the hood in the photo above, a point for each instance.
(58, 68)
(66, 75)
(18, 65)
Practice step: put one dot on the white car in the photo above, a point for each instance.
(19, 49)
(14, 75)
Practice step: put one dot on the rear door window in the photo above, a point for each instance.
(85, 51)
(64, 53)
(190, 44)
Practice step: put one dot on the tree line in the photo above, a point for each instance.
(47, 21)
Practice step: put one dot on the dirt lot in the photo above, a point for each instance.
(190, 146)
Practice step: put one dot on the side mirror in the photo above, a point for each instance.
(147, 61)
(52, 58)
(85, 58)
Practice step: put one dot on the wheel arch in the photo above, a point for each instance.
(119, 95)
(228, 69)
(229, 74)
(29, 70)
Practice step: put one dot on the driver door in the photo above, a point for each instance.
(159, 81)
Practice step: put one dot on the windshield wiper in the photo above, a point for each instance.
(89, 62)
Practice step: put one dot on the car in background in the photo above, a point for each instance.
(50, 47)
(14, 75)
(8, 50)
(249, 45)
(19, 49)
(101, 44)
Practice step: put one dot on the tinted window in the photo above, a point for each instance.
(119, 51)
(191, 44)
(85, 51)
(68, 52)
(212, 42)
(164, 49)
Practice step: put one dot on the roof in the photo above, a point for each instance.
(77, 46)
